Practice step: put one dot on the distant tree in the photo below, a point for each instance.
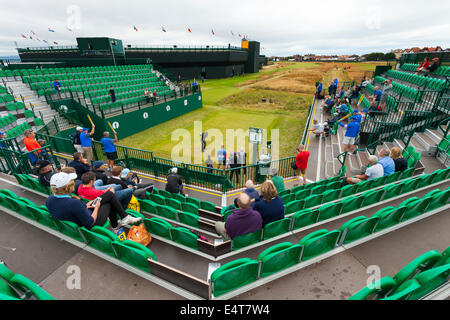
(375, 56)
(389, 56)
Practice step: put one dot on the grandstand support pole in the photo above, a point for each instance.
(224, 200)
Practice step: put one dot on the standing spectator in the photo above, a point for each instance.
(242, 221)
(335, 86)
(75, 138)
(222, 157)
(110, 148)
(387, 162)
(57, 85)
(301, 160)
(387, 89)
(401, 164)
(271, 206)
(31, 145)
(209, 164)
(341, 93)
(242, 160)
(372, 173)
(79, 164)
(277, 180)
(319, 86)
(331, 89)
(234, 164)
(352, 132)
(86, 143)
(194, 85)
(174, 183)
(251, 191)
(112, 94)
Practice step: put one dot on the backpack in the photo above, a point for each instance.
(134, 204)
(140, 235)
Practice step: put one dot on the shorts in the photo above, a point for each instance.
(301, 171)
(348, 140)
(223, 162)
(111, 155)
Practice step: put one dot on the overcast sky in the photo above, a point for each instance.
(283, 27)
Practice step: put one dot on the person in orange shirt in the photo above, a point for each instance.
(31, 144)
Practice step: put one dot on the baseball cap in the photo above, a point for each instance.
(98, 164)
(79, 129)
(62, 179)
(174, 170)
(42, 164)
(125, 172)
(85, 129)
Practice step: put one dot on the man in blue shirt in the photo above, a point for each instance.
(377, 94)
(110, 148)
(357, 116)
(352, 132)
(222, 157)
(387, 162)
(57, 85)
(86, 143)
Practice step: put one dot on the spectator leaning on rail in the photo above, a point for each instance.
(400, 163)
(387, 162)
(242, 221)
(373, 172)
(270, 206)
(62, 206)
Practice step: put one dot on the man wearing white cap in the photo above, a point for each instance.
(174, 183)
(75, 138)
(63, 207)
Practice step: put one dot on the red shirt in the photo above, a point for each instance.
(31, 144)
(302, 160)
(424, 64)
(89, 193)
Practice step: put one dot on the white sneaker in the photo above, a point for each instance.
(128, 220)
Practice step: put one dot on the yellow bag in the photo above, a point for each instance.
(134, 204)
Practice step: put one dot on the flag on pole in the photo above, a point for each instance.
(33, 32)
(136, 29)
(212, 31)
(55, 42)
(24, 36)
(189, 30)
(51, 30)
(163, 29)
(45, 41)
(240, 36)
(69, 29)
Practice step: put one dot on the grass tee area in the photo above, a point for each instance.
(237, 103)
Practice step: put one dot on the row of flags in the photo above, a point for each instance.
(35, 37)
(190, 31)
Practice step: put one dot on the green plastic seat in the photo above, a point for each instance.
(294, 206)
(404, 291)
(388, 217)
(430, 280)
(185, 237)
(392, 191)
(371, 197)
(165, 194)
(234, 275)
(189, 219)
(351, 204)
(43, 217)
(70, 229)
(277, 228)
(414, 207)
(438, 200)
(318, 243)
(331, 195)
(158, 227)
(148, 206)
(357, 228)
(313, 201)
(246, 240)
(175, 204)
(349, 190)
(305, 218)
(329, 210)
(288, 198)
(376, 290)
(134, 254)
(167, 212)
(29, 288)
(193, 201)
(179, 197)
(208, 206)
(100, 239)
(278, 258)
(189, 207)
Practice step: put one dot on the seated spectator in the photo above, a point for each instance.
(400, 163)
(341, 94)
(62, 206)
(342, 111)
(251, 192)
(45, 172)
(318, 129)
(277, 181)
(373, 172)
(271, 206)
(132, 179)
(425, 64)
(80, 164)
(101, 182)
(174, 183)
(116, 178)
(78, 183)
(387, 162)
(377, 93)
(432, 68)
(242, 221)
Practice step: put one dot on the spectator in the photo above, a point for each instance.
(110, 148)
(174, 183)
(45, 172)
(155, 96)
(352, 132)
(400, 163)
(242, 221)
(2, 137)
(101, 182)
(209, 164)
(242, 159)
(132, 179)
(79, 164)
(432, 68)
(318, 130)
(386, 92)
(387, 162)
(377, 93)
(331, 89)
(222, 157)
(357, 116)
(271, 206)
(63, 207)
(277, 180)
(342, 111)
(319, 86)
(251, 191)
(86, 143)
(75, 138)
(329, 103)
(302, 164)
(147, 95)
(373, 172)
(424, 65)
(88, 191)
(57, 85)
(31, 145)
(335, 86)
(234, 164)
(341, 93)
(112, 94)
(131, 189)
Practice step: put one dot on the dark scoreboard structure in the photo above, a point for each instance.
(187, 62)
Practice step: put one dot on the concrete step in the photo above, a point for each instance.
(435, 134)
(418, 146)
(425, 140)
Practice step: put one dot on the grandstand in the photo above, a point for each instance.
(321, 250)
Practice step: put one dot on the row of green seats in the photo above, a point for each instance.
(18, 130)
(413, 157)
(15, 286)
(298, 217)
(6, 74)
(427, 82)
(442, 71)
(99, 238)
(444, 146)
(15, 106)
(103, 90)
(107, 106)
(417, 279)
(239, 273)
(128, 93)
(409, 67)
(312, 185)
(81, 70)
(7, 121)
(406, 91)
(3, 90)
(6, 98)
